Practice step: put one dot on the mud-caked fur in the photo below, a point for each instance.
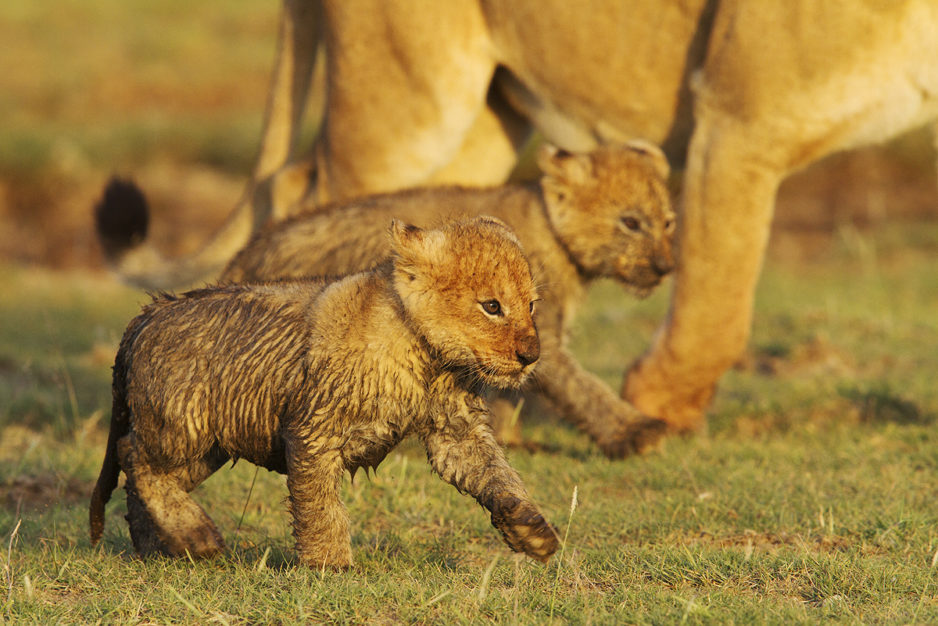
(313, 378)
(604, 213)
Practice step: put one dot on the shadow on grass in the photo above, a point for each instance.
(881, 404)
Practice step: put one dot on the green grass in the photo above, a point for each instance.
(124, 83)
(812, 496)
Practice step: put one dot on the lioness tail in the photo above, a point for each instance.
(122, 219)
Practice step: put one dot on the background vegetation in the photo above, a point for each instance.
(812, 496)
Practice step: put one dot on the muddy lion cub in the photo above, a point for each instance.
(313, 378)
(600, 214)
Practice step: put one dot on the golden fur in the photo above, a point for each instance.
(604, 213)
(743, 92)
(313, 378)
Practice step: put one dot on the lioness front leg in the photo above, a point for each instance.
(722, 238)
(320, 521)
(465, 454)
(617, 427)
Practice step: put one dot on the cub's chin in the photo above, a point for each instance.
(492, 371)
(641, 284)
(640, 292)
(505, 376)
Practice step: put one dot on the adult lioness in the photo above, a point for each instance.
(747, 91)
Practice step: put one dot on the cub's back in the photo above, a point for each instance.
(339, 239)
(217, 360)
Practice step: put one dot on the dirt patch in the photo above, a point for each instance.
(882, 404)
(39, 492)
(814, 357)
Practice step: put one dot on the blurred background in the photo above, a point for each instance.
(172, 93)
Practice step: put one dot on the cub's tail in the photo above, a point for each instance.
(122, 219)
(110, 469)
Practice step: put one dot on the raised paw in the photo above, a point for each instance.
(636, 436)
(524, 529)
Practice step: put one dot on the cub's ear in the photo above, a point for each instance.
(494, 221)
(406, 239)
(654, 155)
(403, 235)
(406, 244)
(414, 246)
(488, 219)
(572, 167)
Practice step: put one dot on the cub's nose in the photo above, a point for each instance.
(528, 350)
(663, 261)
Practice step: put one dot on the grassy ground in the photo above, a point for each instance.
(811, 498)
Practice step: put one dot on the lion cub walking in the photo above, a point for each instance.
(604, 213)
(314, 378)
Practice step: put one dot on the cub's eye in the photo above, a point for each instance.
(668, 224)
(531, 307)
(492, 307)
(631, 223)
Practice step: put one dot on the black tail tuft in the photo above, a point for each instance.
(121, 216)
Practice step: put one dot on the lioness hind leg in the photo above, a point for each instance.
(163, 517)
(490, 148)
(359, 152)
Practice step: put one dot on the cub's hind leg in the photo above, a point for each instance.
(163, 517)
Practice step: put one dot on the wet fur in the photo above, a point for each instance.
(313, 378)
(573, 228)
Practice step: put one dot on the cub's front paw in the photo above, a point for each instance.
(335, 560)
(524, 529)
(636, 436)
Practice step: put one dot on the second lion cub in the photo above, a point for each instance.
(605, 213)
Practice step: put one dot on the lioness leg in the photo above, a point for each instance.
(297, 43)
(758, 115)
(490, 147)
(429, 90)
(728, 199)
(320, 521)
(163, 518)
(465, 454)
